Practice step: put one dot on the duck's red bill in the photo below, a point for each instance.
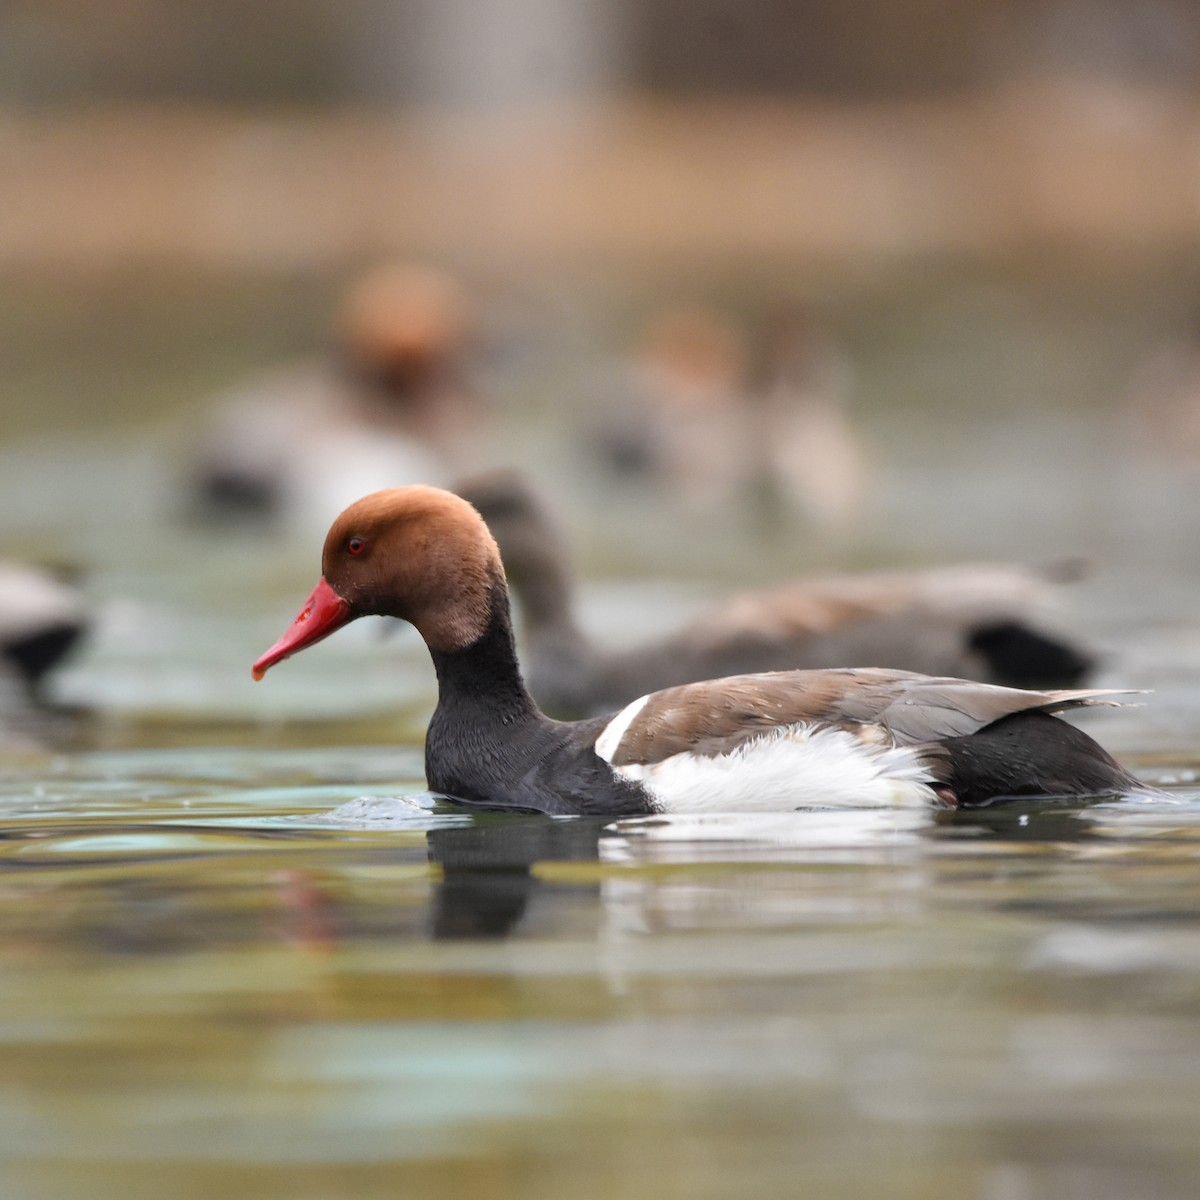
(323, 612)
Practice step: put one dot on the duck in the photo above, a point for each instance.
(391, 402)
(971, 621)
(812, 463)
(43, 619)
(673, 419)
(857, 737)
(709, 418)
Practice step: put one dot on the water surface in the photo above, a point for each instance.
(294, 974)
(243, 953)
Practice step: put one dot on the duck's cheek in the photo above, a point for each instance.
(797, 766)
(323, 613)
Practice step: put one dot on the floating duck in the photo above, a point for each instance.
(42, 619)
(676, 418)
(787, 740)
(971, 621)
(811, 461)
(393, 403)
(684, 419)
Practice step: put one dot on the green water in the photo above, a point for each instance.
(283, 974)
(242, 953)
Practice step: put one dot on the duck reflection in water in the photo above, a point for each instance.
(490, 883)
(488, 876)
(1047, 821)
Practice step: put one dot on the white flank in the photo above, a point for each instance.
(794, 766)
(614, 731)
(31, 600)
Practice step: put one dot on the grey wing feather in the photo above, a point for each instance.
(925, 710)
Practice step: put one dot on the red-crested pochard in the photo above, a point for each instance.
(674, 417)
(973, 622)
(392, 402)
(751, 742)
(687, 418)
(813, 463)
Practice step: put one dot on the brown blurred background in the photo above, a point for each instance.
(292, 135)
(996, 207)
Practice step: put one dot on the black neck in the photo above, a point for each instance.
(470, 749)
(486, 672)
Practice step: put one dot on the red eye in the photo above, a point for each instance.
(355, 545)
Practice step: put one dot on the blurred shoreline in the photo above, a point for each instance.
(1043, 167)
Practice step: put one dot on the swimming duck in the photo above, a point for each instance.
(391, 403)
(964, 621)
(796, 739)
(674, 420)
(42, 619)
(687, 419)
(811, 460)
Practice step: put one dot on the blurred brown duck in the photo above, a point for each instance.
(674, 416)
(811, 460)
(685, 419)
(392, 404)
(965, 621)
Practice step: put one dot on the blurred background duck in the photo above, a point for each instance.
(977, 622)
(812, 464)
(43, 619)
(674, 418)
(392, 404)
(692, 420)
(1159, 416)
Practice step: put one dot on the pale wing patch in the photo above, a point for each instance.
(793, 766)
(611, 735)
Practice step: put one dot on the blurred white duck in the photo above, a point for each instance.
(393, 405)
(42, 619)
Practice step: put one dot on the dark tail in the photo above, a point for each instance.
(1031, 754)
